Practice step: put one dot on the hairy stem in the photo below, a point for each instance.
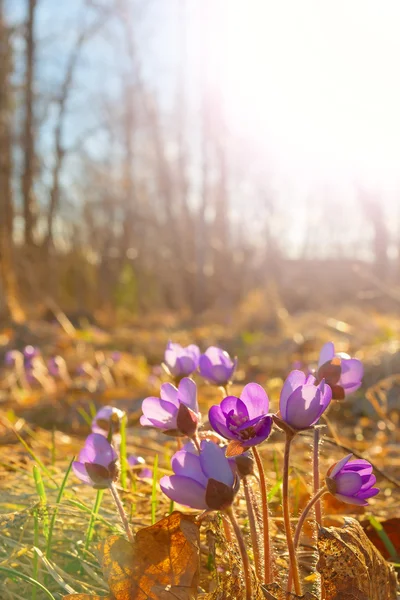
(253, 527)
(243, 552)
(294, 567)
(265, 515)
(121, 511)
(316, 483)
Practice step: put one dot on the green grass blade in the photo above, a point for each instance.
(154, 491)
(54, 517)
(384, 537)
(122, 453)
(275, 490)
(90, 529)
(36, 458)
(20, 575)
(85, 416)
(35, 570)
(37, 476)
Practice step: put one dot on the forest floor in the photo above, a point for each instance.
(47, 428)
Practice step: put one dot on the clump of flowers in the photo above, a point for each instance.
(209, 470)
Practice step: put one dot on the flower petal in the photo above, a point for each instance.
(326, 354)
(339, 465)
(232, 404)
(348, 484)
(185, 491)
(187, 393)
(214, 463)
(169, 393)
(80, 471)
(160, 410)
(218, 422)
(188, 464)
(351, 500)
(294, 380)
(256, 400)
(352, 371)
(97, 450)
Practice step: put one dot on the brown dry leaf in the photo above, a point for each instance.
(162, 564)
(274, 592)
(351, 567)
(392, 530)
(86, 597)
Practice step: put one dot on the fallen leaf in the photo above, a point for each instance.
(161, 564)
(392, 529)
(351, 567)
(86, 597)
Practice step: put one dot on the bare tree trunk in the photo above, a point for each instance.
(28, 133)
(7, 271)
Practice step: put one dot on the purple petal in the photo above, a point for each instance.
(214, 463)
(218, 422)
(351, 500)
(348, 484)
(304, 407)
(188, 465)
(369, 493)
(97, 450)
(187, 393)
(162, 411)
(263, 429)
(80, 471)
(349, 389)
(339, 465)
(194, 351)
(169, 393)
(236, 405)
(255, 399)
(352, 371)
(369, 483)
(206, 367)
(133, 461)
(185, 491)
(294, 380)
(326, 354)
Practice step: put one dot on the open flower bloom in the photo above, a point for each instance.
(352, 482)
(97, 462)
(107, 417)
(341, 372)
(181, 361)
(216, 366)
(302, 402)
(137, 463)
(203, 481)
(244, 419)
(176, 412)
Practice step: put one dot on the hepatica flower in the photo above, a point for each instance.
(216, 366)
(97, 462)
(243, 419)
(137, 463)
(203, 481)
(341, 372)
(302, 402)
(352, 481)
(176, 412)
(107, 417)
(181, 361)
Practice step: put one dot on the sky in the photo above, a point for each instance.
(309, 89)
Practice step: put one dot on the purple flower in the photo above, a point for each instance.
(97, 462)
(243, 419)
(176, 412)
(352, 482)
(135, 461)
(302, 402)
(9, 358)
(203, 481)
(341, 372)
(181, 361)
(53, 366)
(116, 356)
(107, 417)
(216, 366)
(30, 352)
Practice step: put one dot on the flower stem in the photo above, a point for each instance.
(243, 552)
(294, 568)
(316, 483)
(314, 501)
(265, 513)
(121, 511)
(196, 442)
(253, 528)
